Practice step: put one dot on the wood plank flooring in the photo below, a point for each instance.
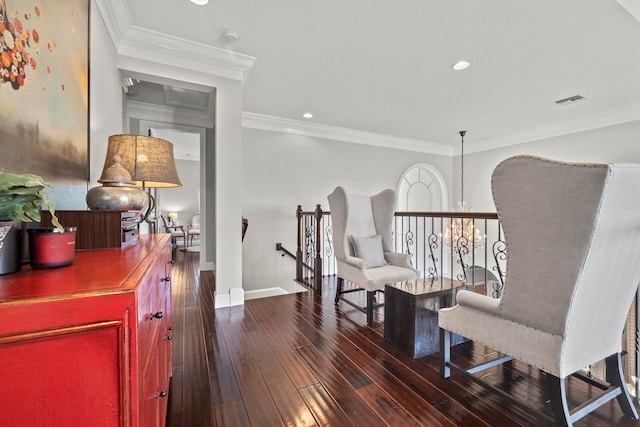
(298, 360)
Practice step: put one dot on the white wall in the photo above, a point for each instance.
(281, 171)
(619, 143)
(105, 95)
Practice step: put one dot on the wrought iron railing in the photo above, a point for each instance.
(463, 245)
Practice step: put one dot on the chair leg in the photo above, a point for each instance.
(370, 295)
(615, 377)
(558, 397)
(339, 289)
(445, 352)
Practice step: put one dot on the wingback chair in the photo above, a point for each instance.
(572, 233)
(363, 245)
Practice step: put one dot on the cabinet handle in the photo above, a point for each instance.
(157, 315)
(165, 279)
(170, 262)
(161, 394)
(170, 328)
(169, 337)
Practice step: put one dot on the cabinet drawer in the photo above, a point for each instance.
(153, 396)
(129, 235)
(151, 308)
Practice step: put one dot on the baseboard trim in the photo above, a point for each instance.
(263, 293)
(231, 299)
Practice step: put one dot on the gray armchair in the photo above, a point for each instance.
(176, 231)
(572, 234)
(363, 245)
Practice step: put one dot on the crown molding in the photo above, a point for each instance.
(137, 42)
(297, 127)
(631, 6)
(582, 124)
(161, 113)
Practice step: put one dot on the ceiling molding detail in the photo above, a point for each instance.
(161, 113)
(566, 128)
(297, 127)
(130, 40)
(631, 6)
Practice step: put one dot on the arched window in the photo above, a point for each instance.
(421, 189)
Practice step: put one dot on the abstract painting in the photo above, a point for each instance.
(44, 93)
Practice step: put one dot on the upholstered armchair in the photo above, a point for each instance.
(572, 234)
(363, 245)
(194, 228)
(176, 231)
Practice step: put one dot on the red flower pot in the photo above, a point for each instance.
(50, 248)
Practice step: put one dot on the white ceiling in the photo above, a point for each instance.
(384, 66)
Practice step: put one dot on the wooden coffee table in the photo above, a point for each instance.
(411, 313)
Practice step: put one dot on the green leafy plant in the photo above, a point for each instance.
(22, 196)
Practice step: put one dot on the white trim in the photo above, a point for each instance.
(233, 298)
(566, 128)
(631, 6)
(222, 301)
(161, 113)
(263, 293)
(279, 124)
(131, 40)
(116, 17)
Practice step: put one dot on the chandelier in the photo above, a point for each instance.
(462, 233)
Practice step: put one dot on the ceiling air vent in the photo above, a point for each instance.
(570, 100)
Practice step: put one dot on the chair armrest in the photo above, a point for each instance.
(356, 262)
(477, 301)
(399, 259)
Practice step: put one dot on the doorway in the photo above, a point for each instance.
(182, 114)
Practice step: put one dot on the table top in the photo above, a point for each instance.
(435, 286)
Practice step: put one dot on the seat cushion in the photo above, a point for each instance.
(373, 279)
(369, 249)
(532, 346)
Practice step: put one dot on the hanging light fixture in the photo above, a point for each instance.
(462, 232)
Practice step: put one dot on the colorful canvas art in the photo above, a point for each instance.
(44, 90)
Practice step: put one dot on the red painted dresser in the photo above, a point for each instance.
(88, 344)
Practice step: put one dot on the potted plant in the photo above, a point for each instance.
(21, 198)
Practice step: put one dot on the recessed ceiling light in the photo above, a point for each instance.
(307, 115)
(200, 2)
(460, 65)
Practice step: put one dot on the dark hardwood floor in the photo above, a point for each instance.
(299, 360)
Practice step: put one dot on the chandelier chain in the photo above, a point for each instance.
(462, 134)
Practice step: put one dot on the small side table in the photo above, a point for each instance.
(411, 313)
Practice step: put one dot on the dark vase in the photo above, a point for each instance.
(49, 248)
(10, 247)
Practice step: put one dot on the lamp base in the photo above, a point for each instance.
(117, 198)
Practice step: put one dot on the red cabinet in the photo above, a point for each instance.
(88, 344)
